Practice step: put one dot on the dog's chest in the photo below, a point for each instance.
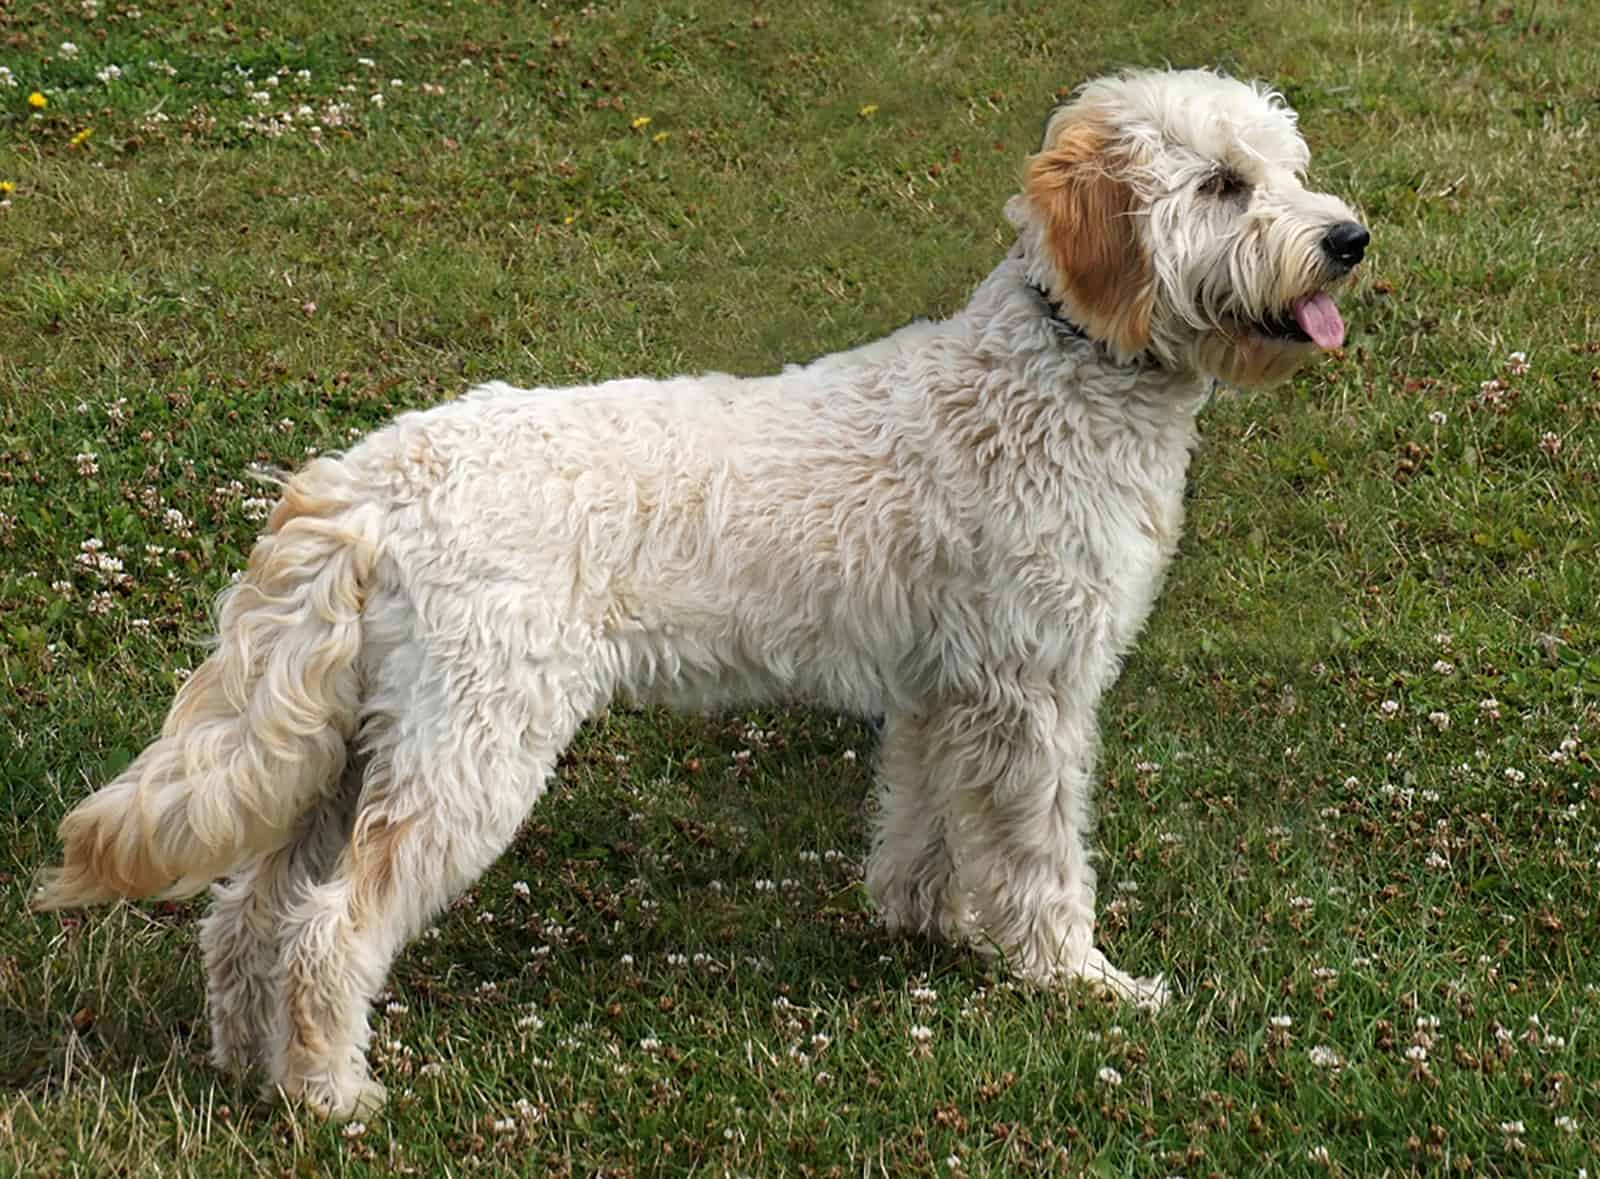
(1096, 572)
(1137, 565)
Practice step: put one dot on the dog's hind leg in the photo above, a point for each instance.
(447, 783)
(239, 936)
(908, 870)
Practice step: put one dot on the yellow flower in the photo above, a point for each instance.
(867, 111)
(7, 187)
(641, 121)
(38, 101)
(81, 137)
(659, 137)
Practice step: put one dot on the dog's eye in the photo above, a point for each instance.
(1224, 185)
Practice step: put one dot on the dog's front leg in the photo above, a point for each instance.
(1013, 775)
(908, 870)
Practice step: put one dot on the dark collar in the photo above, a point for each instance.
(1067, 327)
(1057, 315)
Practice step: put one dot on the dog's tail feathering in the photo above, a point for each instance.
(259, 731)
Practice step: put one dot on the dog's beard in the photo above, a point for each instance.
(1252, 316)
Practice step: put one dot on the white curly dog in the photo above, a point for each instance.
(961, 528)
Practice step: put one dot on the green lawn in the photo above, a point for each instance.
(1349, 803)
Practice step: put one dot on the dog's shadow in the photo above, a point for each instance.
(739, 838)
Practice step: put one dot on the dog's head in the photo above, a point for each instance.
(1166, 214)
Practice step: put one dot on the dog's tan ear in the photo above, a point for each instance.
(1077, 186)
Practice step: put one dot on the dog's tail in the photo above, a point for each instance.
(259, 731)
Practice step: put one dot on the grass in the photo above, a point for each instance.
(1348, 780)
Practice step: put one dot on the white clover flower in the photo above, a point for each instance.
(1109, 1077)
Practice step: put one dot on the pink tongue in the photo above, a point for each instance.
(1319, 319)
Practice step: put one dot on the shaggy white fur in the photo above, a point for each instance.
(961, 528)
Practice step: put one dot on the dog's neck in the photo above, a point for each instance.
(1056, 313)
(1067, 360)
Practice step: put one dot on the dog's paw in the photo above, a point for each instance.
(1148, 994)
(342, 1101)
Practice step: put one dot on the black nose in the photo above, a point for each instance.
(1346, 242)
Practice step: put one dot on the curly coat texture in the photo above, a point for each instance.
(961, 528)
